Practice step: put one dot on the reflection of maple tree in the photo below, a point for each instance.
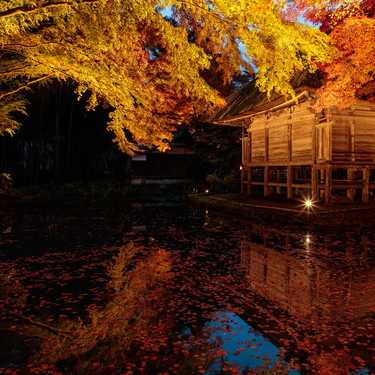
(128, 317)
(131, 331)
(142, 65)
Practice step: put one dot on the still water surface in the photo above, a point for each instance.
(179, 291)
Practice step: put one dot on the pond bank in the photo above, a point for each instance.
(287, 211)
(109, 193)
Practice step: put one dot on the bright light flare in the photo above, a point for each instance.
(308, 203)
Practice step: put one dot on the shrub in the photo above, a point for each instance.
(231, 182)
(214, 182)
(6, 182)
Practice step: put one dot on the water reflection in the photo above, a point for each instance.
(201, 294)
(324, 288)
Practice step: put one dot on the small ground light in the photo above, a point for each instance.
(207, 191)
(308, 203)
(240, 167)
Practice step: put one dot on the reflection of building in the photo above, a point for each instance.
(312, 281)
(287, 146)
(320, 292)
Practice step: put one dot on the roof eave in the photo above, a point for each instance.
(271, 107)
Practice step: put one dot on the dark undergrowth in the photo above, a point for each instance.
(111, 192)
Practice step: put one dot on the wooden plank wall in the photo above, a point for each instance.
(245, 150)
(278, 143)
(303, 122)
(364, 135)
(258, 144)
(276, 135)
(353, 131)
(341, 135)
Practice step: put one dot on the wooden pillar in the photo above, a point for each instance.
(242, 179)
(289, 177)
(249, 178)
(352, 141)
(289, 155)
(266, 144)
(328, 183)
(314, 183)
(366, 183)
(296, 172)
(278, 189)
(321, 175)
(350, 192)
(266, 179)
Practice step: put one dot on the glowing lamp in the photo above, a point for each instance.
(308, 203)
(207, 191)
(240, 167)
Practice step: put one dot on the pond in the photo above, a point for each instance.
(182, 291)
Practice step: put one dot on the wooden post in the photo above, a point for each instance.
(266, 178)
(350, 191)
(242, 180)
(329, 141)
(249, 178)
(289, 177)
(321, 174)
(313, 140)
(328, 183)
(314, 183)
(289, 155)
(296, 178)
(366, 183)
(352, 141)
(278, 189)
(266, 144)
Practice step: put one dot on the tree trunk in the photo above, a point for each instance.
(3, 157)
(67, 166)
(57, 161)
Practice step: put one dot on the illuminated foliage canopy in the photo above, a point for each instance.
(146, 66)
(350, 25)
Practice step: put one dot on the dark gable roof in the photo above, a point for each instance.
(248, 99)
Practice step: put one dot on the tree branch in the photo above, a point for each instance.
(34, 322)
(24, 86)
(16, 70)
(26, 10)
(212, 13)
(6, 46)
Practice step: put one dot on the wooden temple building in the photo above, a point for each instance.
(290, 147)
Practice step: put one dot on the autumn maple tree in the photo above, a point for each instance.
(145, 58)
(350, 25)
